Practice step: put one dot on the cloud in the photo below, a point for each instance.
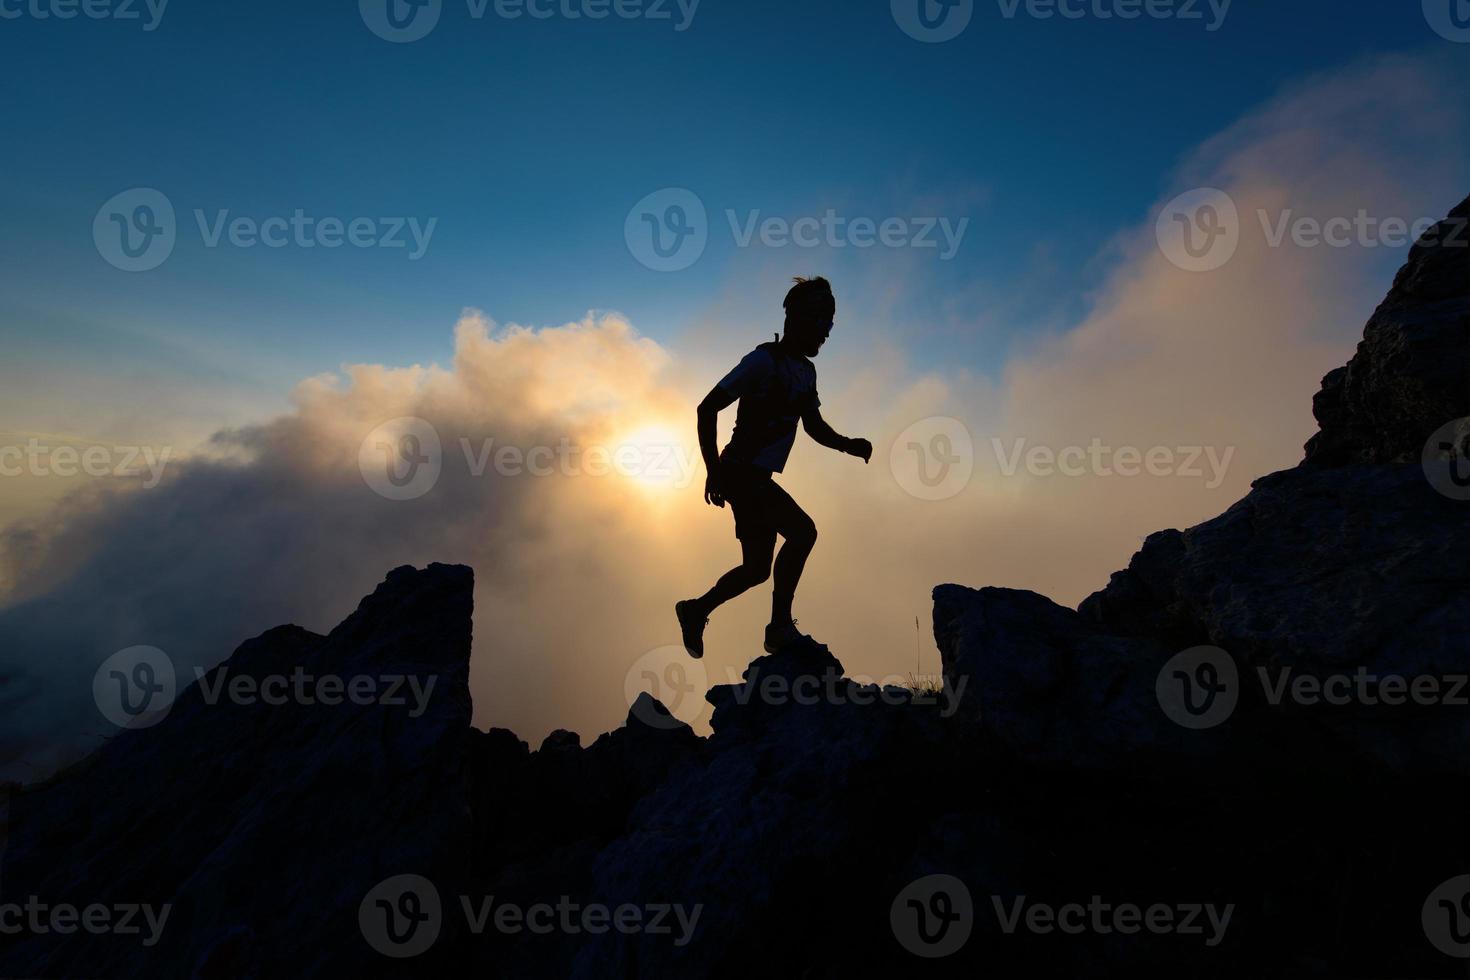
(277, 523)
(577, 569)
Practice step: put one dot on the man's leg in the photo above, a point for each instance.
(800, 533)
(756, 548)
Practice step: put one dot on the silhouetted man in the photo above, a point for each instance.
(776, 385)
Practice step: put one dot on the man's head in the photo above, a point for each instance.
(810, 310)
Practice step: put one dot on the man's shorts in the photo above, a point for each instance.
(760, 506)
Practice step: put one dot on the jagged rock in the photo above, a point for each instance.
(561, 740)
(1409, 375)
(1347, 565)
(772, 830)
(1051, 685)
(1317, 569)
(775, 681)
(262, 825)
(1347, 572)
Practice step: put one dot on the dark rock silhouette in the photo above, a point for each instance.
(1051, 685)
(255, 820)
(1049, 769)
(1409, 370)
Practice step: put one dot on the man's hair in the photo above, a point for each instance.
(810, 297)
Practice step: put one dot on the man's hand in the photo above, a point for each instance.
(708, 416)
(861, 448)
(712, 492)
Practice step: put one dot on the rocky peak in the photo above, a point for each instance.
(1411, 372)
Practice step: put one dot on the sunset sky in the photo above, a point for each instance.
(520, 151)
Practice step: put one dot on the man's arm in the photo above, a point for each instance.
(708, 414)
(824, 435)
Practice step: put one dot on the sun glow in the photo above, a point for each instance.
(655, 457)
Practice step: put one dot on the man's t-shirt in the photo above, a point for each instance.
(775, 389)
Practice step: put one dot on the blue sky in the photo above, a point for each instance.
(530, 140)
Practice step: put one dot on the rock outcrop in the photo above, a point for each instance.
(258, 823)
(1343, 567)
(1411, 368)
